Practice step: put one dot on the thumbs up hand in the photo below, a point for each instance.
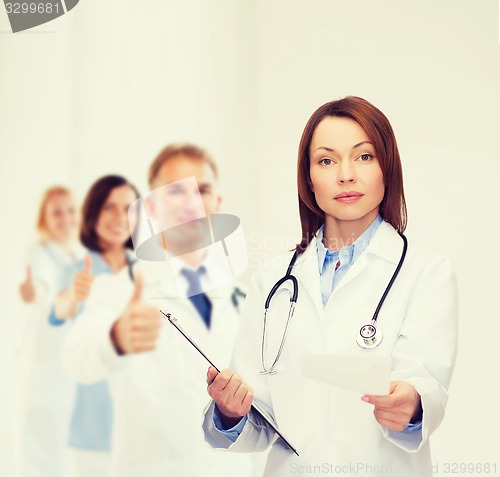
(137, 329)
(27, 288)
(82, 282)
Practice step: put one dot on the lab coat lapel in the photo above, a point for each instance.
(161, 289)
(220, 299)
(307, 272)
(357, 268)
(385, 244)
(224, 324)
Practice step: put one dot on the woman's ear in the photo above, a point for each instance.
(311, 185)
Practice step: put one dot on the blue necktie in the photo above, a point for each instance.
(196, 295)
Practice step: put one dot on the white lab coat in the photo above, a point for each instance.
(45, 393)
(329, 426)
(158, 396)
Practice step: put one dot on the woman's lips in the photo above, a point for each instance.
(348, 197)
(118, 231)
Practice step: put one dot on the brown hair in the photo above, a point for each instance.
(92, 206)
(377, 127)
(50, 193)
(173, 150)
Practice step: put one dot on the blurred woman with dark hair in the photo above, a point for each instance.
(106, 235)
(353, 213)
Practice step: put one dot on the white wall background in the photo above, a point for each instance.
(103, 88)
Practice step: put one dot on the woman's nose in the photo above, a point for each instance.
(346, 173)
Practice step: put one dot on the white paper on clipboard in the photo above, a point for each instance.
(363, 374)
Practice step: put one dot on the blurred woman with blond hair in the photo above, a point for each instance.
(45, 394)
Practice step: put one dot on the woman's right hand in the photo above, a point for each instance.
(82, 282)
(67, 301)
(232, 396)
(27, 288)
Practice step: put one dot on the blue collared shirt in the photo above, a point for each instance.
(330, 274)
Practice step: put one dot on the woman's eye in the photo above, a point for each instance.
(365, 157)
(326, 161)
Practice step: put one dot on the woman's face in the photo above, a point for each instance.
(112, 227)
(61, 218)
(346, 177)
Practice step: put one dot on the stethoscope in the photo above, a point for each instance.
(369, 335)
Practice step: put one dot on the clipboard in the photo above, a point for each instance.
(258, 409)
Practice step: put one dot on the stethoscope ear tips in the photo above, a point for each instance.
(369, 336)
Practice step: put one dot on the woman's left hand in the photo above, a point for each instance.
(397, 409)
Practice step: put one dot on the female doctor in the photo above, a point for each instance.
(45, 393)
(105, 233)
(353, 214)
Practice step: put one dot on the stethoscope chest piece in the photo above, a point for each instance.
(369, 336)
